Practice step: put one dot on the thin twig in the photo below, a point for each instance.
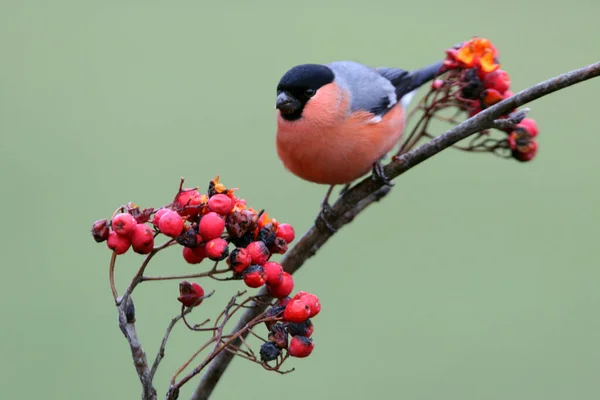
(362, 195)
(161, 351)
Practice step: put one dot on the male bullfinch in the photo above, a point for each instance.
(335, 122)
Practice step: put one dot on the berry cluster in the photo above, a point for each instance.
(297, 313)
(473, 81)
(219, 226)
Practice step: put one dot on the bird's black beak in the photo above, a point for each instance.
(287, 104)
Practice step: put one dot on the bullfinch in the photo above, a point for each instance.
(335, 122)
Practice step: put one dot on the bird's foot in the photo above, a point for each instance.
(326, 213)
(379, 174)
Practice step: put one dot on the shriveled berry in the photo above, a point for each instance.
(286, 232)
(190, 294)
(239, 260)
(273, 272)
(296, 311)
(300, 328)
(498, 80)
(194, 255)
(189, 237)
(100, 230)
(275, 311)
(240, 222)
(244, 240)
(189, 202)
(267, 235)
(269, 352)
(217, 249)
(283, 301)
(158, 216)
(284, 288)
(279, 246)
(259, 253)
(171, 224)
(254, 276)
(123, 224)
(211, 226)
(142, 239)
(311, 301)
(221, 204)
(278, 335)
(300, 347)
(117, 243)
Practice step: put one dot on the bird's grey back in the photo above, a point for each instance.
(369, 90)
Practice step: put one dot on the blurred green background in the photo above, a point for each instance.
(477, 278)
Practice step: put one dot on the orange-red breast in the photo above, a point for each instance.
(336, 121)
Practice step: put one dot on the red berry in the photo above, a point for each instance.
(171, 224)
(300, 347)
(527, 152)
(158, 216)
(311, 301)
(124, 224)
(529, 126)
(100, 230)
(284, 288)
(274, 272)
(119, 244)
(279, 246)
(189, 202)
(498, 80)
(239, 260)
(217, 249)
(190, 294)
(437, 84)
(259, 253)
(283, 301)
(195, 255)
(211, 226)
(296, 311)
(254, 276)
(142, 239)
(286, 232)
(221, 204)
(508, 94)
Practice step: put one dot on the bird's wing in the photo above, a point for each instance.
(368, 89)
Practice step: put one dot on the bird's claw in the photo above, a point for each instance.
(379, 174)
(324, 214)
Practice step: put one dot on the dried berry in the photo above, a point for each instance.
(190, 294)
(269, 352)
(300, 328)
(100, 230)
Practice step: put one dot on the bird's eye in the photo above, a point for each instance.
(310, 92)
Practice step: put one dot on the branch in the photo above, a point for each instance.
(366, 192)
(127, 325)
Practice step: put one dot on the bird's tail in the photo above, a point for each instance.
(407, 83)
